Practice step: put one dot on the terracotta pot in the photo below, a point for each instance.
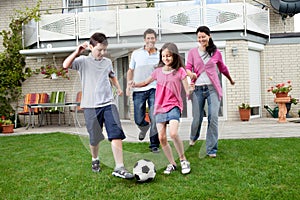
(279, 95)
(245, 114)
(7, 128)
(147, 118)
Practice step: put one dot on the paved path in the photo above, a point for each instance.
(255, 128)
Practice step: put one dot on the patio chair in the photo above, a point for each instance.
(57, 97)
(44, 98)
(77, 110)
(30, 98)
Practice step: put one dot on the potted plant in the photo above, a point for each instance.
(1, 125)
(147, 117)
(281, 89)
(7, 126)
(245, 111)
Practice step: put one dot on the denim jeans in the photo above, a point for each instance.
(200, 94)
(139, 103)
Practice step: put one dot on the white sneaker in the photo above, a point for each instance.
(170, 168)
(185, 167)
(192, 142)
(213, 155)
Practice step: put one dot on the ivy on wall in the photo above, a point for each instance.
(12, 63)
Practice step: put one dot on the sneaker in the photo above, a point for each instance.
(143, 132)
(185, 167)
(96, 166)
(170, 168)
(122, 173)
(212, 155)
(154, 150)
(192, 142)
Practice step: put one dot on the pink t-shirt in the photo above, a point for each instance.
(168, 89)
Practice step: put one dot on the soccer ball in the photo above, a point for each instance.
(144, 170)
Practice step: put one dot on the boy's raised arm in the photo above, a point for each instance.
(69, 60)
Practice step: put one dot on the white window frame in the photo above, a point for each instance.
(85, 3)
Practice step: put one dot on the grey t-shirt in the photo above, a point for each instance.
(94, 75)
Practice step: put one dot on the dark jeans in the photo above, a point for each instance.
(139, 100)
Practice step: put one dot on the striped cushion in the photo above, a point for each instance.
(31, 98)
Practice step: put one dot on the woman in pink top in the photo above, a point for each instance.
(169, 74)
(204, 65)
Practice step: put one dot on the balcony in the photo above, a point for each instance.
(62, 32)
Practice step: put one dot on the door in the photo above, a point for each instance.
(255, 86)
(121, 66)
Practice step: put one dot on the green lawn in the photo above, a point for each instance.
(58, 166)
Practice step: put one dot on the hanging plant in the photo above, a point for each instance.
(50, 70)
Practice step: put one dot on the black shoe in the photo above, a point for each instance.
(154, 150)
(96, 166)
(143, 132)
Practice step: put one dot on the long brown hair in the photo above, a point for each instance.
(177, 61)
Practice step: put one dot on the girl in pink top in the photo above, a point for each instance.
(169, 74)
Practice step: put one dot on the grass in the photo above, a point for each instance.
(57, 166)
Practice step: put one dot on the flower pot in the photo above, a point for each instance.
(147, 118)
(244, 114)
(281, 94)
(8, 128)
(54, 76)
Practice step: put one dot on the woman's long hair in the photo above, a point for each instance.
(177, 61)
(211, 48)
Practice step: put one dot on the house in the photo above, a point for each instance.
(256, 43)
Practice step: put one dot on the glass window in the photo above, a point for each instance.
(193, 2)
(73, 5)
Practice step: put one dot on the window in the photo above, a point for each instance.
(194, 2)
(83, 5)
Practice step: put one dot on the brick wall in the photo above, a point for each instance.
(239, 71)
(280, 62)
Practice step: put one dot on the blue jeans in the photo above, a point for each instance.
(139, 103)
(200, 94)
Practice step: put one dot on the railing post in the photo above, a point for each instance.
(245, 18)
(118, 25)
(76, 27)
(38, 34)
(159, 24)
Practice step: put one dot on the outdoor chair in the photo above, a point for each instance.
(44, 98)
(57, 97)
(30, 98)
(77, 110)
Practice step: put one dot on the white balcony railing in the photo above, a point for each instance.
(130, 22)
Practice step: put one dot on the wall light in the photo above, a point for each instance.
(234, 51)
